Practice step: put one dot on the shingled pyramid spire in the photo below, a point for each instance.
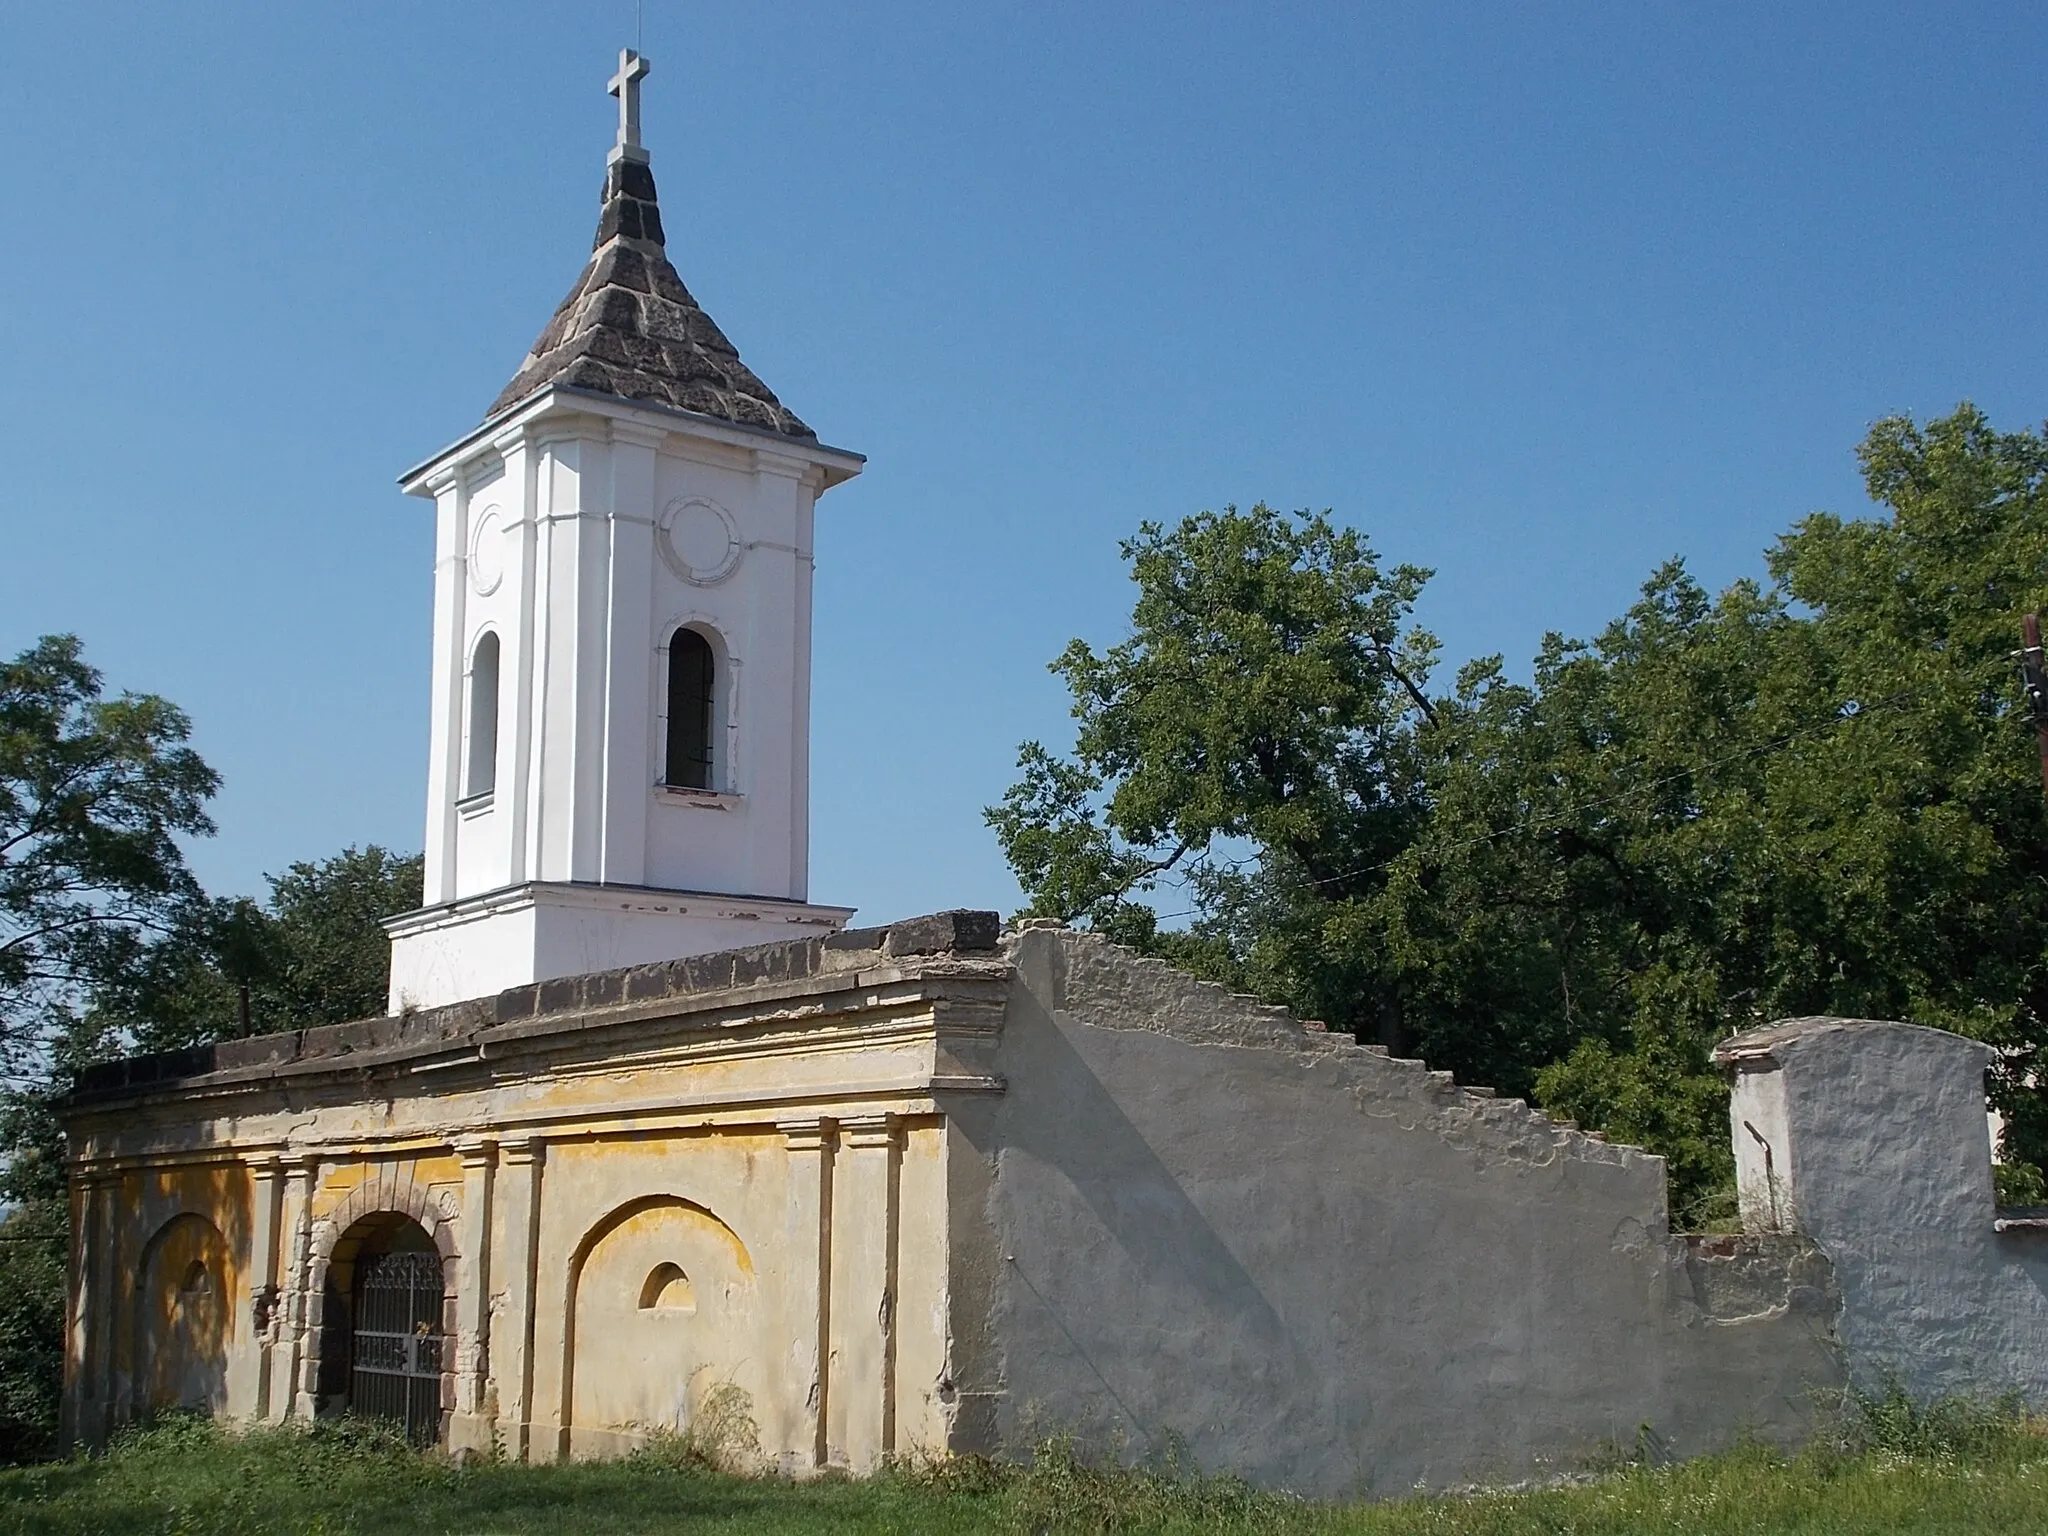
(629, 327)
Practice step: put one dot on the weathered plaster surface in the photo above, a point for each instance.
(1868, 1138)
(1337, 1272)
(917, 1190)
(715, 1179)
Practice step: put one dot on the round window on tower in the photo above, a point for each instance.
(487, 553)
(699, 542)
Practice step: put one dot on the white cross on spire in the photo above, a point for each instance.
(626, 86)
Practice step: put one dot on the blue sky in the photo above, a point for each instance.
(1537, 296)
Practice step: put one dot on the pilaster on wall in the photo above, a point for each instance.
(295, 1393)
(518, 452)
(568, 628)
(861, 1423)
(627, 644)
(781, 779)
(89, 1392)
(517, 1212)
(77, 1309)
(807, 1297)
(122, 1281)
(264, 1268)
(471, 1425)
(445, 727)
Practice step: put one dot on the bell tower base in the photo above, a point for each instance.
(480, 945)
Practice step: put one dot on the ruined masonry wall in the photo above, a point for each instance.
(1868, 1138)
(922, 1188)
(1332, 1271)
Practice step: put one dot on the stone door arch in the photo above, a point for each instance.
(382, 1323)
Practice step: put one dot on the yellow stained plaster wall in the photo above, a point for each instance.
(632, 1263)
(923, 1390)
(178, 1263)
(613, 1209)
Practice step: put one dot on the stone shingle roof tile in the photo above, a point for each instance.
(630, 328)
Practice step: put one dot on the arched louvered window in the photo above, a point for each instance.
(692, 682)
(480, 775)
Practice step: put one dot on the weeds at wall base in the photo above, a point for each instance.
(1887, 1465)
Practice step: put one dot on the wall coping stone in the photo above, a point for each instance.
(935, 944)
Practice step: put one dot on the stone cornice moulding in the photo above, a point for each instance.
(638, 434)
(809, 1134)
(505, 444)
(523, 1151)
(579, 429)
(484, 471)
(835, 465)
(876, 1130)
(866, 1011)
(787, 466)
(612, 898)
(525, 1138)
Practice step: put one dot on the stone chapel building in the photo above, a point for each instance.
(649, 1142)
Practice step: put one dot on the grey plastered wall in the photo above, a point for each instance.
(1870, 1138)
(1334, 1272)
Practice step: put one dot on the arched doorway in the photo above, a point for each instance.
(384, 1356)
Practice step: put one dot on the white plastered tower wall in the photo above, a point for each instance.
(635, 481)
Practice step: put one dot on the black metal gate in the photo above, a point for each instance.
(395, 1353)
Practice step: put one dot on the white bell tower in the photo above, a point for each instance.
(619, 769)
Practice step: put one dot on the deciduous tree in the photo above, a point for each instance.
(1812, 793)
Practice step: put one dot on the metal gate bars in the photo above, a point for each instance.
(395, 1353)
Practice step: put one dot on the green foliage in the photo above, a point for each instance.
(33, 1246)
(1063, 1490)
(93, 793)
(1811, 795)
(1654, 1095)
(1892, 1423)
(316, 953)
(1944, 1470)
(219, 969)
(107, 943)
(2019, 1183)
(1265, 701)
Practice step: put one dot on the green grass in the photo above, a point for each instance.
(1965, 1471)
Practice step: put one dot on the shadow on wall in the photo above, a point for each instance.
(185, 1312)
(1069, 1121)
(1112, 1244)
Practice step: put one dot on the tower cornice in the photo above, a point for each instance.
(555, 401)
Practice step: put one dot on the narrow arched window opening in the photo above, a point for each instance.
(480, 775)
(667, 1289)
(692, 679)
